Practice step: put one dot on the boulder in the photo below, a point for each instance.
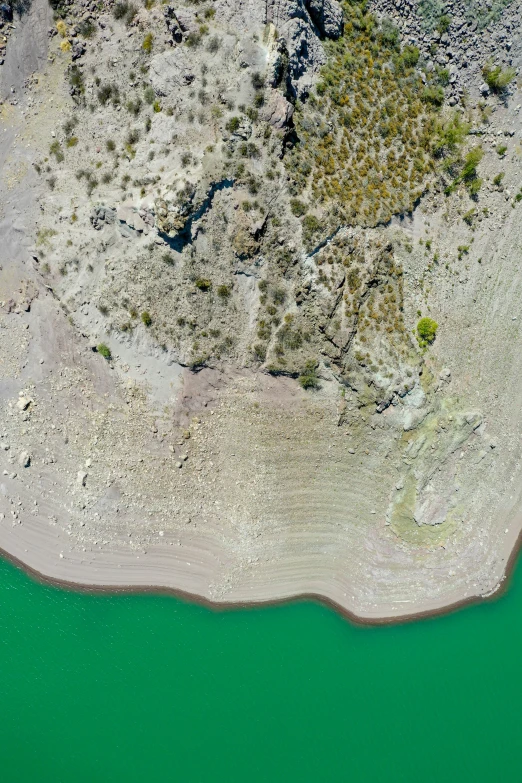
(278, 112)
(169, 71)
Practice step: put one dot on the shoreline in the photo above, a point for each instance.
(230, 606)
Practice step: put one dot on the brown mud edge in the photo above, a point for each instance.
(225, 606)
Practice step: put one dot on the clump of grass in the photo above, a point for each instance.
(56, 150)
(203, 284)
(147, 43)
(223, 291)
(72, 141)
(501, 150)
(124, 11)
(146, 318)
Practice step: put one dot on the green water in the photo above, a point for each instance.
(143, 688)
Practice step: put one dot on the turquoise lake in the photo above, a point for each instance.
(148, 688)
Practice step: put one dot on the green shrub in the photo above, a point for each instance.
(298, 207)
(146, 318)
(501, 149)
(410, 56)
(443, 24)
(498, 79)
(203, 284)
(426, 331)
(308, 377)
(471, 161)
(233, 124)
(110, 145)
(104, 351)
(86, 28)
(433, 95)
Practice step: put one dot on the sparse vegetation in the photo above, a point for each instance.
(146, 318)
(367, 137)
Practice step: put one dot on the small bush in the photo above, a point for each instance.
(498, 79)
(104, 351)
(308, 378)
(233, 124)
(168, 258)
(110, 145)
(203, 284)
(471, 161)
(146, 318)
(147, 43)
(193, 40)
(501, 149)
(258, 81)
(133, 136)
(426, 331)
(87, 28)
(298, 207)
(76, 79)
(72, 141)
(433, 95)
(443, 24)
(223, 291)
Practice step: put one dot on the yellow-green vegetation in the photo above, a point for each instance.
(147, 43)
(427, 331)
(146, 318)
(369, 132)
(104, 351)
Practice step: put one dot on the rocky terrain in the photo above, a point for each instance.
(260, 298)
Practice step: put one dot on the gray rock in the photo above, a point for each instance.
(327, 15)
(24, 460)
(278, 112)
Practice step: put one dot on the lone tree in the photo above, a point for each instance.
(426, 331)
